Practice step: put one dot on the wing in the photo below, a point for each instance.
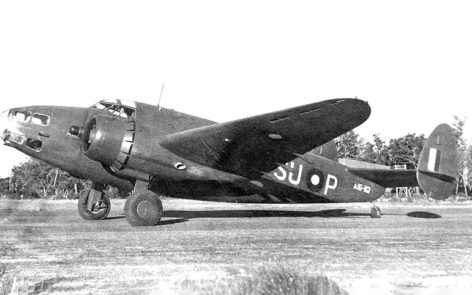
(387, 177)
(251, 146)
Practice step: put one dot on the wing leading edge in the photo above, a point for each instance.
(251, 146)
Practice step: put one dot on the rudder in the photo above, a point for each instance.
(436, 172)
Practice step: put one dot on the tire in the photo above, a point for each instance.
(143, 208)
(375, 212)
(94, 214)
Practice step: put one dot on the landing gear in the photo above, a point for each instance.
(143, 208)
(375, 212)
(93, 203)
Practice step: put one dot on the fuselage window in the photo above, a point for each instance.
(21, 116)
(40, 119)
(34, 144)
(16, 138)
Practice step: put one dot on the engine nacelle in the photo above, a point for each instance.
(109, 140)
(131, 150)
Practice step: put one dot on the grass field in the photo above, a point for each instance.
(218, 248)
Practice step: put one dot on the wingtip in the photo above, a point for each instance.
(362, 103)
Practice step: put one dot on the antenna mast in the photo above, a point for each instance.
(160, 96)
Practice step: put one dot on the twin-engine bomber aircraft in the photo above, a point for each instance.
(286, 156)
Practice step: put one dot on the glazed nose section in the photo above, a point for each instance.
(4, 124)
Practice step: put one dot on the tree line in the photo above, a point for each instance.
(36, 179)
(404, 150)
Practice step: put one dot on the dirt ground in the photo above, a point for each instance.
(45, 247)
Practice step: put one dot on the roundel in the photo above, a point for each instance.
(314, 180)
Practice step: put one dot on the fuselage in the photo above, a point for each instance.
(117, 143)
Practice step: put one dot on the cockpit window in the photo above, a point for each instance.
(121, 108)
(21, 116)
(40, 119)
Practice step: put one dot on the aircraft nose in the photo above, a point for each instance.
(4, 124)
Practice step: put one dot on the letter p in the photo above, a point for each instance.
(331, 183)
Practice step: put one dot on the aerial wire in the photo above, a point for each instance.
(160, 96)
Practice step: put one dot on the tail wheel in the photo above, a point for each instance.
(375, 212)
(143, 208)
(95, 211)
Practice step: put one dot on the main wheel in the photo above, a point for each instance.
(143, 208)
(99, 210)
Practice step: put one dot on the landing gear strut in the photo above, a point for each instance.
(94, 204)
(375, 212)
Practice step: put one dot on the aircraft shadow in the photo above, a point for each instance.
(180, 216)
(423, 214)
(114, 217)
(259, 213)
(162, 222)
(172, 221)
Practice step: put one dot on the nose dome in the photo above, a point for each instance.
(4, 124)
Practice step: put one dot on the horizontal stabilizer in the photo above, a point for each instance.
(387, 177)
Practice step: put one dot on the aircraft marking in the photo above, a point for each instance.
(362, 188)
(329, 184)
(299, 175)
(281, 174)
(314, 180)
(434, 159)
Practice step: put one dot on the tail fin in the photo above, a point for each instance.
(437, 173)
(327, 150)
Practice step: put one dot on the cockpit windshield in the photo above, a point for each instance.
(117, 107)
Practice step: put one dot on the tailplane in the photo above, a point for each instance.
(436, 172)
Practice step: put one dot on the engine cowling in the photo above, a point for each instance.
(109, 140)
(129, 150)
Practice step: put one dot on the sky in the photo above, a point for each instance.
(224, 60)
